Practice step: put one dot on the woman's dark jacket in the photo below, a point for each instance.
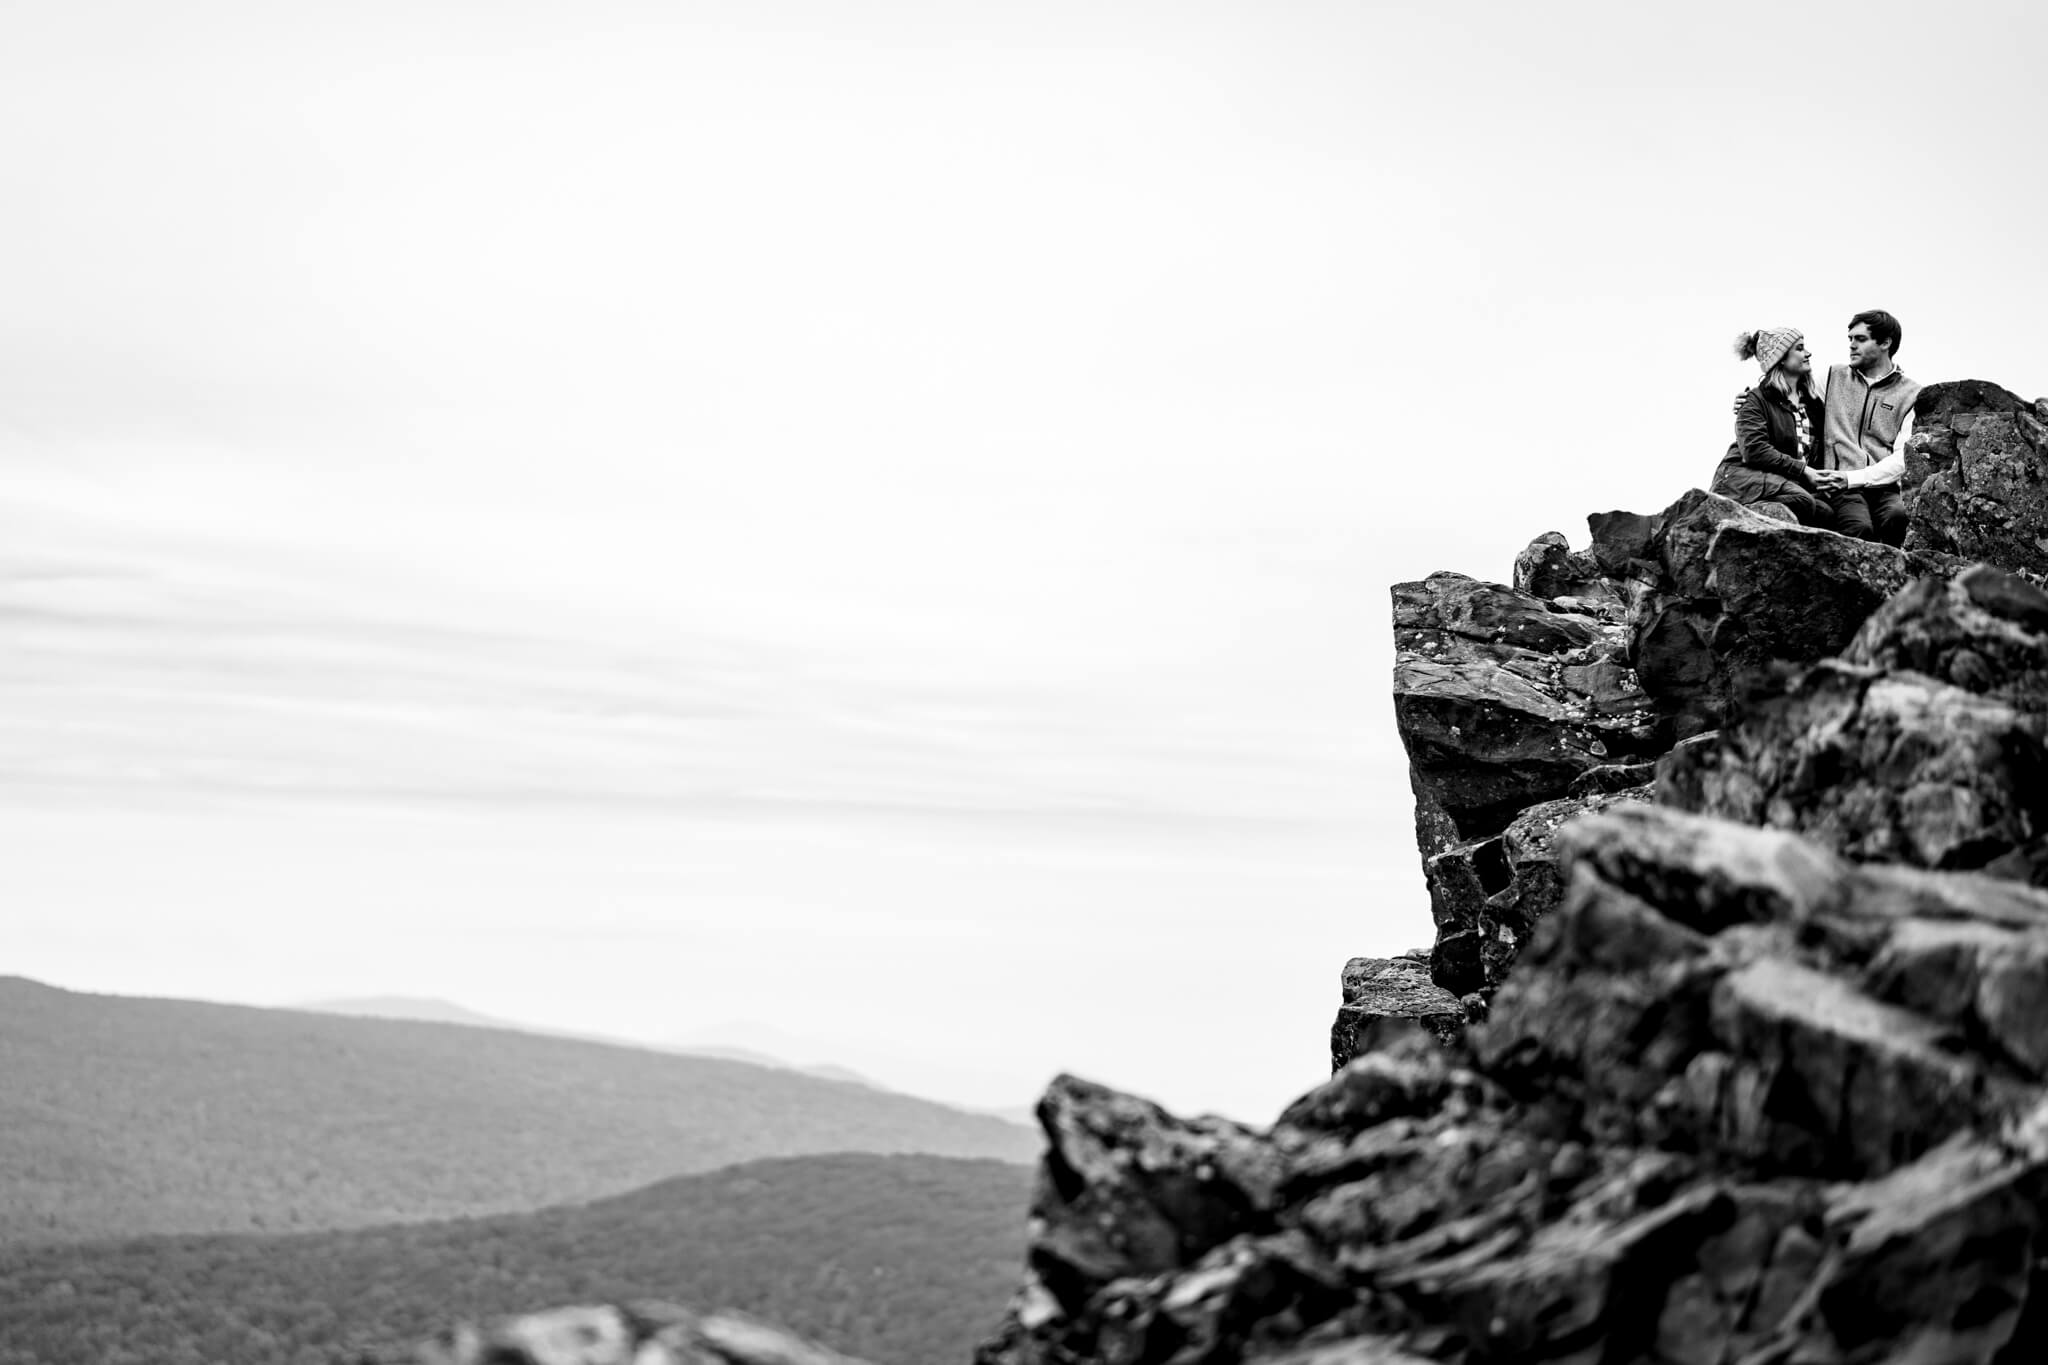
(1767, 440)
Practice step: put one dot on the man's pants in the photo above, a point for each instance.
(1870, 513)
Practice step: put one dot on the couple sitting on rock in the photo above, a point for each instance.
(1835, 458)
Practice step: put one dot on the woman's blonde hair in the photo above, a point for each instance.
(1794, 388)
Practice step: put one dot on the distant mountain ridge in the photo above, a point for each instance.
(903, 1259)
(128, 1116)
(421, 1009)
(429, 1010)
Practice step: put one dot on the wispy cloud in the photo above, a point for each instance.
(154, 666)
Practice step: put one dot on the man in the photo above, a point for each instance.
(1868, 415)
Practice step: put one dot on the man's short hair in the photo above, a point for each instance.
(1884, 329)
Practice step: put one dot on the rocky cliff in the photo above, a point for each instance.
(1670, 645)
(1731, 1047)
(1732, 1042)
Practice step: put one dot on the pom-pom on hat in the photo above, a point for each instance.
(1768, 345)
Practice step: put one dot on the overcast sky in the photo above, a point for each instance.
(868, 525)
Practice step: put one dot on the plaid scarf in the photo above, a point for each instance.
(1802, 421)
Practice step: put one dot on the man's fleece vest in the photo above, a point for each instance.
(1863, 420)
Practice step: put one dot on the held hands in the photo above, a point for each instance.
(1824, 480)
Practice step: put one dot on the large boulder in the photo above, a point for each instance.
(1742, 1100)
(1486, 895)
(1518, 708)
(1926, 743)
(1503, 699)
(1983, 630)
(1879, 766)
(1549, 568)
(1388, 1000)
(1718, 591)
(1746, 993)
(1980, 455)
(1127, 1189)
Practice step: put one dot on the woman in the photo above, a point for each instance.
(1777, 427)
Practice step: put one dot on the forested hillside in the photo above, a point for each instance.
(123, 1116)
(904, 1260)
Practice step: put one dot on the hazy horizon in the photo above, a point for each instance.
(874, 519)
